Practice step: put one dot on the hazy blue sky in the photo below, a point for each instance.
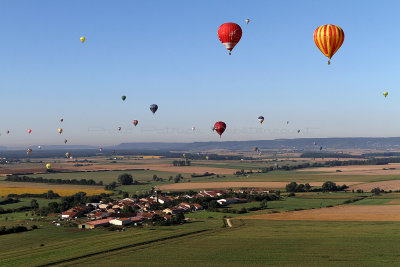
(168, 53)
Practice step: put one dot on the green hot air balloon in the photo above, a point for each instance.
(123, 97)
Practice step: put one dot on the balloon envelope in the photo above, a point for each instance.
(328, 38)
(83, 39)
(229, 34)
(135, 122)
(123, 98)
(385, 94)
(261, 119)
(153, 108)
(48, 166)
(220, 127)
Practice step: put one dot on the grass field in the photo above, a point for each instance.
(285, 243)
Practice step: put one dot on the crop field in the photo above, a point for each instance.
(7, 188)
(260, 242)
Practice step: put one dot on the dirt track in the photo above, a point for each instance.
(339, 213)
(187, 186)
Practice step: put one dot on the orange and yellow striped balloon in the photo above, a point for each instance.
(329, 38)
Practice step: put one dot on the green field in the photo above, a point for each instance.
(258, 242)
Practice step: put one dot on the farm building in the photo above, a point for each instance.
(94, 224)
(121, 221)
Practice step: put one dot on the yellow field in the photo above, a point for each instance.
(139, 157)
(6, 190)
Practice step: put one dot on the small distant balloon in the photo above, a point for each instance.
(320, 148)
(61, 120)
(135, 122)
(65, 141)
(287, 122)
(40, 147)
(7, 132)
(298, 131)
(193, 128)
(67, 155)
(60, 130)
(153, 108)
(119, 128)
(261, 119)
(385, 94)
(83, 39)
(247, 21)
(48, 166)
(220, 127)
(29, 151)
(29, 131)
(101, 149)
(123, 98)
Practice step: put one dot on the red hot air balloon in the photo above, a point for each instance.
(135, 122)
(229, 34)
(220, 127)
(29, 131)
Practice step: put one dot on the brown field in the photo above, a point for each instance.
(360, 169)
(394, 202)
(385, 185)
(35, 188)
(338, 213)
(187, 186)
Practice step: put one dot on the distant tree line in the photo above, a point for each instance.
(202, 175)
(16, 178)
(49, 195)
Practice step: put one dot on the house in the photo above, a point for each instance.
(100, 215)
(94, 224)
(104, 206)
(196, 206)
(227, 201)
(121, 221)
(68, 214)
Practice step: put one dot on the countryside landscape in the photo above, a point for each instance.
(234, 206)
(199, 133)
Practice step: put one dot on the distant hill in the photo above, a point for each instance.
(377, 143)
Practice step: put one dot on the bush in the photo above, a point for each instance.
(125, 179)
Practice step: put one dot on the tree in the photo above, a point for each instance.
(307, 187)
(125, 179)
(376, 191)
(34, 204)
(329, 186)
(292, 187)
(263, 204)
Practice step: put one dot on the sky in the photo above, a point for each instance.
(168, 53)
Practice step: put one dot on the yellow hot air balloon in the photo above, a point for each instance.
(60, 130)
(385, 94)
(48, 166)
(67, 155)
(329, 38)
(83, 39)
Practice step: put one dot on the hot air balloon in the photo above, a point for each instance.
(61, 120)
(123, 98)
(193, 128)
(101, 149)
(29, 131)
(206, 157)
(83, 39)
(65, 141)
(29, 151)
(184, 155)
(40, 147)
(315, 143)
(229, 34)
(287, 122)
(67, 155)
(320, 148)
(48, 166)
(255, 149)
(119, 128)
(298, 131)
(135, 122)
(7, 132)
(220, 127)
(261, 119)
(60, 130)
(247, 21)
(385, 94)
(153, 108)
(329, 38)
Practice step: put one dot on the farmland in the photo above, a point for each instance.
(329, 228)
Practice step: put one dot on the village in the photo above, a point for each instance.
(155, 209)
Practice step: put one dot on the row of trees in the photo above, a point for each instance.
(14, 229)
(181, 163)
(16, 178)
(49, 195)
(326, 187)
